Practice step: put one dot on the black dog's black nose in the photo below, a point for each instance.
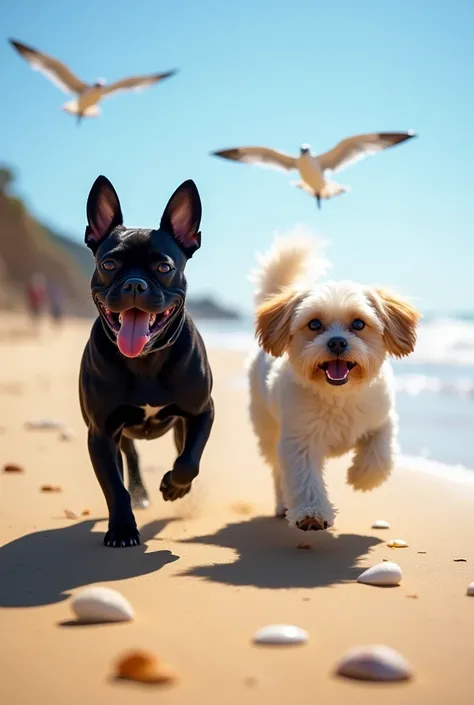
(134, 286)
(337, 345)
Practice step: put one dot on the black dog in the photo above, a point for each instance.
(144, 370)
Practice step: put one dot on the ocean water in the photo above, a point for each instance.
(435, 391)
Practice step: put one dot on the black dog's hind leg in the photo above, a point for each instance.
(136, 487)
(120, 463)
(104, 452)
(179, 431)
(196, 430)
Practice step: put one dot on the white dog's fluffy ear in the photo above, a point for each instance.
(273, 321)
(400, 320)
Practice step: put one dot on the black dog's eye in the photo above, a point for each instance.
(315, 324)
(358, 324)
(108, 265)
(164, 268)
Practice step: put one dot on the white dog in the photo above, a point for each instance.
(322, 385)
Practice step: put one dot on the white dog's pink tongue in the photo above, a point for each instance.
(337, 369)
(133, 334)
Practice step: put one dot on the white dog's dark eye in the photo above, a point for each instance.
(108, 265)
(358, 324)
(315, 324)
(164, 268)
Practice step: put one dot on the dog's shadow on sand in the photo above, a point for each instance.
(268, 556)
(41, 568)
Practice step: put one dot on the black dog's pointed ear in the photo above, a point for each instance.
(182, 217)
(103, 212)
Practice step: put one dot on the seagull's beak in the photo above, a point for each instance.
(318, 201)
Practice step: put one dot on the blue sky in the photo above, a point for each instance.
(259, 72)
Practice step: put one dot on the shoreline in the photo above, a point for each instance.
(459, 474)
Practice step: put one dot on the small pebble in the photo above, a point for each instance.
(460, 560)
(381, 524)
(101, 604)
(12, 467)
(422, 552)
(470, 589)
(281, 634)
(397, 543)
(383, 574)
(70, 515)
(374, 663)
(413, 596)
(250, 682)
(50, 488)
(86, 513)
(304, 546)
(67, 435)
(144, 667)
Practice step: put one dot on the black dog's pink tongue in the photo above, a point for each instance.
(133, 334)
(337, 369)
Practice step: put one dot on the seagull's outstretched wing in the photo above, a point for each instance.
(53, 69)
(353, 149)
(261, 156)
(135, 83)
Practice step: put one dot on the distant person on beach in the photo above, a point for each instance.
(36, 296)
(55, 301)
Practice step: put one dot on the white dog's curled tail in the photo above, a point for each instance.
(292, 260)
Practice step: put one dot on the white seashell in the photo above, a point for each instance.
(374, 663)
(281, 634)
(101, 604)
(470, 589)
(386, 574)
(397, 543)
(381, 524)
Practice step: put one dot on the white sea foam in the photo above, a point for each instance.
(454, 473)
(445, 341)
(416, 384)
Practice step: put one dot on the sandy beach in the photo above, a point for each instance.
(216, 566)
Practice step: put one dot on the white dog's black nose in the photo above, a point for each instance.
(337, 345)
(134, 286)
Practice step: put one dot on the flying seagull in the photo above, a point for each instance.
(88, 95)
(312, 168)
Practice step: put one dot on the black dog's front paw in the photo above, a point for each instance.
(170, 490)
(122, 536)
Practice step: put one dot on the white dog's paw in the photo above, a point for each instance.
(312, 518)
(364, 477)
